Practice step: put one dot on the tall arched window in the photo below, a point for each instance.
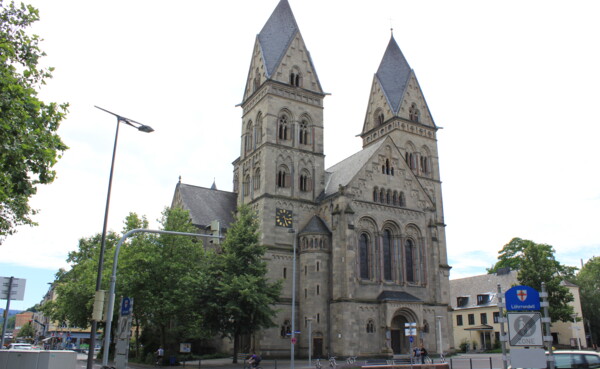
(256, 179)
(303, 136)
(246, 186)
(409, 254)
(305, 181)
(375, 194)
(295, 78)
(283, 177)
(382, 196)
(249, 140)
(258, 130)
(256, 79)
(364, 256)
(387, 255)
(395, 198)
(283, 128)
(388, 197)
(402, 200)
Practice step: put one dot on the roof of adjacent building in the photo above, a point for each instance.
(485, 284)
(343, 172)
(393, 74)
(206, 204)
(316, 225)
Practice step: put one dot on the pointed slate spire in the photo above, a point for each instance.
(214, 185)
(276, 35)
(393, 74)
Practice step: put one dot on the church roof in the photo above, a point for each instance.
(343, 172)
(393, 74)
(276, 35)
(397, 296)
(206, 205)
(316, 225)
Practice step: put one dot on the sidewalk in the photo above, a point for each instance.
(225, 363)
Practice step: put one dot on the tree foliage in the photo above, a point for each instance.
(29, 145)
(535, 264)
(27, 330)
(239, 298)
(588, 280)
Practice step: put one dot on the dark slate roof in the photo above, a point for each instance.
(276, 35)
(393, 74)
(206, 205)
(344, 171)
(397, 296)
(316, 225)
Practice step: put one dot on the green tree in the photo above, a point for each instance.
(535, 264)
(588, 280)
(29, 144)
(239, 299)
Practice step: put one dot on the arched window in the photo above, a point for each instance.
(283, 128)
(364, 256)
(256, 79)
(286, 329)
(249, 141)
(387, 255)
(236, 183)
(379, 117)
(295, 78)
(402, 200)
(409, 260)
(375, 194)
(382, 196)
(303, 137)
(256, 179)
(258, 131)
(283, 177)
(388, 197)
(305, 181)
(370, 326)
(424, 165)
(387, 166)
(246, 186)
(395, 198)
(413, 113)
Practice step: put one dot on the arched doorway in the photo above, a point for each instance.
(400, 343)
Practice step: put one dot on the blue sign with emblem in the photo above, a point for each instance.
(126, 306)
(522, 298)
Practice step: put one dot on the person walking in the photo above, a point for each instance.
(160, 353)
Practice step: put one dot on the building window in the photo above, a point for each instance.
(249, 141)
(283, 128)
(409, 255)
(387, 255)
(256, 179)
(402, 199)
(318, 318)
(258, 130)
(303, 137)
(286, 329)
(395, 198)
(483, 318)
(284, 273)
(364, 256)
(318, 290)
(256, 79)
(459, 320)
(246, 186)
(414, 113)
(318, 266)
(370, 326)
(424, 164)
(305, 181)
(462, 301)
(375, 194)
(471, 318)
(483, 299)
(496, 317)
(283, 178)
(295, 78)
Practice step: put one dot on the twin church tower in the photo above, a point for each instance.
(369, 231)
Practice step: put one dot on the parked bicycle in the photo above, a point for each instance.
(351, 360)
(318, 364)
(332, 362)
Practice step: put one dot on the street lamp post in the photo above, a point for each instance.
(293, 338)
(94, 326)
(309, 341)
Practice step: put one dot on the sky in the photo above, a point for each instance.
(514, 86)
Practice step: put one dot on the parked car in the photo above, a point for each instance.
(20, 346)
(575, 359)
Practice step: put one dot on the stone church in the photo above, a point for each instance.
(369, 231)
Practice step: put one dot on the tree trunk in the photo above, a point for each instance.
(236, 348)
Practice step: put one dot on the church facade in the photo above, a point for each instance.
(368, 232)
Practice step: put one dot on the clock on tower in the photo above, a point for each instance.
(283, 218)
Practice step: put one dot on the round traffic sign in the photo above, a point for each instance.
(294, 340)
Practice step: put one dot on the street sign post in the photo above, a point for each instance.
(525, 329)
(522, 298)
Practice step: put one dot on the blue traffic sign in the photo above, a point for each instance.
(411, 339)
(522, 298)
(125, 306)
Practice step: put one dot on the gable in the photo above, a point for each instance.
(414, 95)
(378, 105)
(257, 73)
(380, 166)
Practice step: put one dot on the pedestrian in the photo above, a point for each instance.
(159, 355)
(423, 353)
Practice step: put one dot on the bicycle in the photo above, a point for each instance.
(442, 358)
(318, 364)
(332, 362)
(351, 360)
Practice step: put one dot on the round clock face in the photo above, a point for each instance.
(283, 218)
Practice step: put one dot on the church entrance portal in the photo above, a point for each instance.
(400, 343)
